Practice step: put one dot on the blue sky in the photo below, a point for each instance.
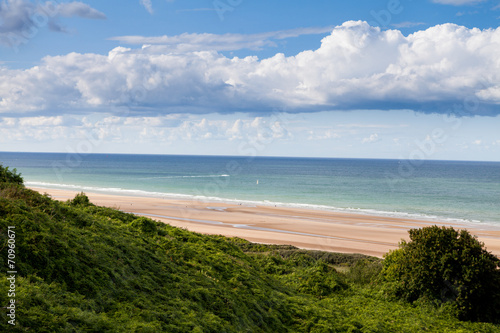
(368, 79)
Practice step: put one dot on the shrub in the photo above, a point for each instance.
(447, 265)
(80, 200)
(364, 271)
(8, 176)
(320, 281)
(144, 224)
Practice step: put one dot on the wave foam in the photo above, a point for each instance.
(253, 203)
(178, 177)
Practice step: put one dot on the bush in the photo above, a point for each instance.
(8, 176)
(446, 265)
(364, 271)
(320, 281)
(80, 199)
(84, 268)
(144, 224)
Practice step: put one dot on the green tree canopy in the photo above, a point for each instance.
(447, 265)
(10, 176)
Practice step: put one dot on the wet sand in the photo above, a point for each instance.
(304, 228)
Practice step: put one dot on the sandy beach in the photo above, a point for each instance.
(304, 228)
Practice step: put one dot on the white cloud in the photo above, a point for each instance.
(356, 67)
(492, 94)
(320, 134)
(188, 42)
(8, 122)
(38, 128)
(407, 24)
(323, 135)
(79, 9)
(162, 121)
(372, 126)
(22, 19)
(257, 129)
(372, 138)
(31, 122)
(148, 5)
(41, 121)
(170, 128)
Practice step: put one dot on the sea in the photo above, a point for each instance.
(454, 192)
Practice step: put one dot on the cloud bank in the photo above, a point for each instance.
(443, 69)
(165, 129)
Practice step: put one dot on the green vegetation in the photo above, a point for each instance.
(84, 268)
(8, 176)
(446, 265)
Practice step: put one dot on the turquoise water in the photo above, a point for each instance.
(448, 191)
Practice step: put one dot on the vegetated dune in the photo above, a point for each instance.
(80, 267)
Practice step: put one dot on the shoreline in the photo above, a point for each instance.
(305, 228)
(454, 221)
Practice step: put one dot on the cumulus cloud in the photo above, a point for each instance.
(189, 42)
(38, 128)
(444, 69)
(173, 120)
(41, 121)
(170, 128)
(257, 129)
(323, 135)
(21, 19)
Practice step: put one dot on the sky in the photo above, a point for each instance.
(396, 79)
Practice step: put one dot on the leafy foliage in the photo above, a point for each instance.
(84, 268)
(364, 271)
(447, 265)
(10, 176)
(80, 200)
(129, 273)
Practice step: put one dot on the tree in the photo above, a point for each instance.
(8, 176)
(80, 199)
(447, 265)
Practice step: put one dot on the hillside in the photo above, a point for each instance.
(83, 268)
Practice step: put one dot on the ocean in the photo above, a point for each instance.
(446, 191)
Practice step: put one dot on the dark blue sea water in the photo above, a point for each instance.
(448, 191)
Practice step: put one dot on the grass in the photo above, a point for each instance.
(84, 268)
